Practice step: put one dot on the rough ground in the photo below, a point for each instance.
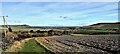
(102, 44)
(17, 45)
(0, 41)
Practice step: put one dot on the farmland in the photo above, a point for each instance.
(93, 43)
(103, 44)
(63, 39)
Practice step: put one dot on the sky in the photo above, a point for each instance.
(60, 0)
(59, 13)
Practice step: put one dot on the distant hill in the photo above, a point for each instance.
(104, 26)
(42, 27)
(16, 26)
(94, 26)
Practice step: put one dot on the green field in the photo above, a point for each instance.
(33, 47)
(78, 34)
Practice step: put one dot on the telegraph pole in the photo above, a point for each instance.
(5, 24)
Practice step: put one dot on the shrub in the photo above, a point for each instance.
(31, 31)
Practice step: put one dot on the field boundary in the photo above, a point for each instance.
(43, 45)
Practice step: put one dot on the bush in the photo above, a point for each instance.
(38, 31)
(31, 31)
(93, 32)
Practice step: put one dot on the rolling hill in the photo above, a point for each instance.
(98, 26)
(104, 26)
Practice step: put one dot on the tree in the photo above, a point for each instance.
(38, 31)
(31, 31)
(51, 32)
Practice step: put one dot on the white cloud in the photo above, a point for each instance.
(113, 14)
(102, 9)
(23, 9)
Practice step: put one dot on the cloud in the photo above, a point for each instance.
(113, 14)
(22, 9)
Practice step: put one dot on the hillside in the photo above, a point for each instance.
(104, 26)
(94, 26)
(17, 26)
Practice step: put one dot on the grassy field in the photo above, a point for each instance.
(77, 34)
(34, 47)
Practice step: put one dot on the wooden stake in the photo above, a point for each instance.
(5, 24)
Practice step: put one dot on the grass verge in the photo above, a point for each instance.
(77, 34)
(32, 46)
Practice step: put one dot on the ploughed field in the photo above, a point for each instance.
(85, 44)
